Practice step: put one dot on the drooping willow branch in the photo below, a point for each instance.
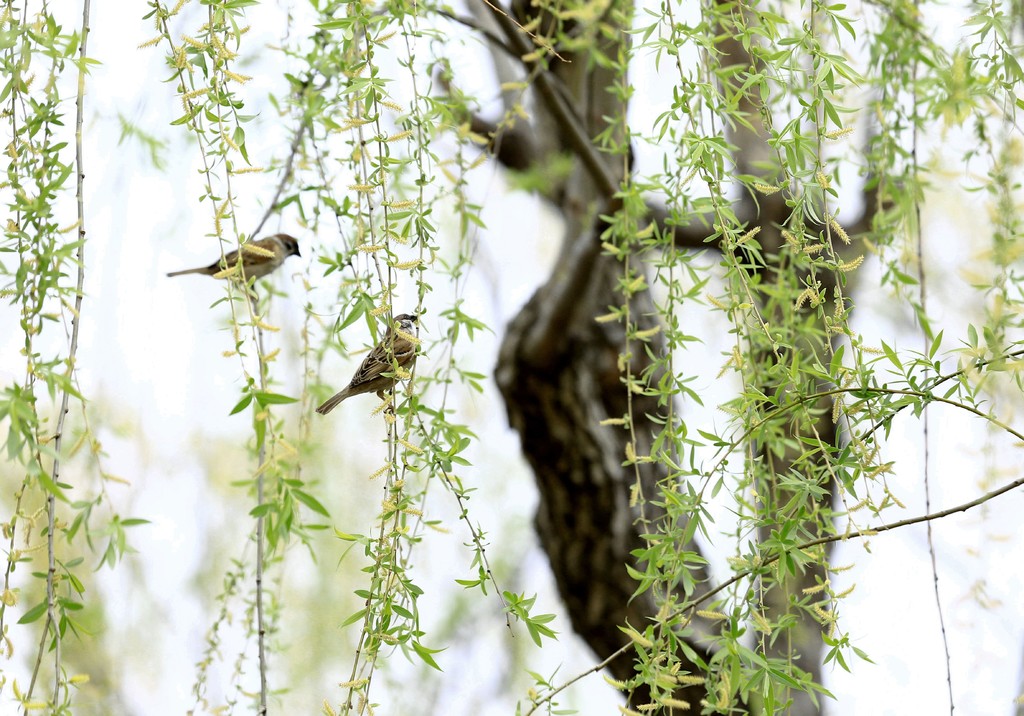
(726, 448)
(51, 617)
(765, 561)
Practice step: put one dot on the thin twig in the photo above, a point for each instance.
(927, 338)
(539, 40)
(464, 516)
(293, 150)
(472, 24)
(621, 651)
(51, 616)
(260, 528)
(285, 176)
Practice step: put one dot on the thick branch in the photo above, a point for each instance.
(557, 105)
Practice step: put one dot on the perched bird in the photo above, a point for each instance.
(394, 350)
(259, 257)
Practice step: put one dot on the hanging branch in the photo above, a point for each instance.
(51, 570)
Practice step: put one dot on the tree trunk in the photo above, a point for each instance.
(561, 372)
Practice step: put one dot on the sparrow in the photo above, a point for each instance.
(259, 257)
(394, 350)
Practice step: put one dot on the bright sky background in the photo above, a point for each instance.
(151, 363)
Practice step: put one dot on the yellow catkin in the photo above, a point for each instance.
(222, 51)
(410, 447)
(725, 368)
(749, 235)
(240, 79)
(192, 42)
(380, 472)
(816, 588)
(228, 272)
(711, 614)
(724, 691)
(255, 250)
(675, 703)
(181, 59)
(895, 499)
(638, 638)
(808, 294)
(851, 265)
(408, 336)
(357, 683)
(838, 133)
(823, 616)
(839, 230)
(715, 302)
(195, 93)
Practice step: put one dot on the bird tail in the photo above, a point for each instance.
(204, 270)
(332, 402)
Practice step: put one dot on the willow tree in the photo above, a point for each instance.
(741, 163)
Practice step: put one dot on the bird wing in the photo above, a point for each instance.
(379, 362)
(372, 367)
